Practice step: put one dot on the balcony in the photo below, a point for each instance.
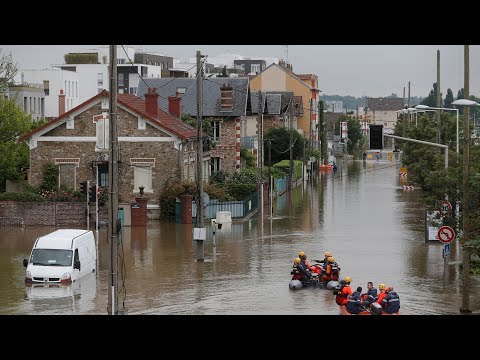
(249, 142)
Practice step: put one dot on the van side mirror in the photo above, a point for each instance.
(25, 262)
(76, 264)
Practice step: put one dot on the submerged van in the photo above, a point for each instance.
(62, 256)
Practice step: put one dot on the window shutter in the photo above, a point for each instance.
(106, 133)
(143, 177)
(100, 134)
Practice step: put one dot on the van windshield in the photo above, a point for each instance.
(51, 257)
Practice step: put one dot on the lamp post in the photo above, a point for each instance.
(428, 108)
(466, 171)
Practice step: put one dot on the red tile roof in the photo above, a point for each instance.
(137, 105)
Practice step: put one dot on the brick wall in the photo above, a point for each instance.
(48, 214)
(227, 148)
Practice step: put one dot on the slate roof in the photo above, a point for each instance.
(211, 94)
(384, 104)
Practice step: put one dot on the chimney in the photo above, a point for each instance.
(151, 102)
(281, 62)
(174, 105)
(290, 67)
(226, 98)
(61, 103)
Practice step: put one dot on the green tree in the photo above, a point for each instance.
(13, 155)
(281, 145)
(8, 70)
(448, 98)
(431, 99)
(461, 94)
(224, 72)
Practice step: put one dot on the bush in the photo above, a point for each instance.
(216, 192)
(242, 184)
(21, 197)
(50, 177)
(170, 192)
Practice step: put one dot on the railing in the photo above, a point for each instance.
(238, 209)
(11, 221)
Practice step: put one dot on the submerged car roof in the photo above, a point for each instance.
(60, 239)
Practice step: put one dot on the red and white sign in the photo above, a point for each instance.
(102, 116)
(445, 234)
(445, 207)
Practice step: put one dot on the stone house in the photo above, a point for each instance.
(224, 105)
(154, 145)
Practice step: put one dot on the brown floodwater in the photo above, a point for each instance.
(374, 229)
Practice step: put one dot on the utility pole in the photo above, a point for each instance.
(260, 154)
(466, 171)
(199, 202)
(113, 188)
(324, 134)
(439, 100)
(408, 102)
(290, 127)
(270, 185)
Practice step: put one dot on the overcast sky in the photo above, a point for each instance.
(357, 70)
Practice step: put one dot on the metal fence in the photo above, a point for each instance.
(238, 209)
(11, 221)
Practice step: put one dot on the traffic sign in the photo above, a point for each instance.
(445, 234)
(445, 207)
(446, 250)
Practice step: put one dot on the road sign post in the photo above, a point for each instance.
(445, 235)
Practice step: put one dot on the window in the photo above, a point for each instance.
(101, 128)
(121, 79)
(34, 106)
(120, 61)
(214, 164)
(31, 106)
(181, 91)
(42, 108)
(133, 90)
(142, 171)
(216, 130)
(102, 175)
(46, 87)
(99, 79)
(76, 89)
(66, 175)
(25, 104)
(255, 68)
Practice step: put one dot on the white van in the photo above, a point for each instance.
(62, 256)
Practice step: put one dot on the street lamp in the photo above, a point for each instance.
(428, 108)
(466, 171)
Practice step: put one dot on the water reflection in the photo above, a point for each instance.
(360, 213)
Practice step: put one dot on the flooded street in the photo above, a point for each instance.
(374, 229)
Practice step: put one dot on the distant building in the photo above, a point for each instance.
(94, 75)
(61, 88)
(29, 97)
(383, 111)
(251, 67)
(335, 106)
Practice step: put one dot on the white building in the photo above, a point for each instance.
(335, 106)
(95, 78)
(54, 80)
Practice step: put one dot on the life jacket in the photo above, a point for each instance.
(381, 296)
(342, 298)
(391, 303)
(296, 274)
(372, 292)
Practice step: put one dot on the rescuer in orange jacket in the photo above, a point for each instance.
(303, 257)
(343, 294)
(382, 294)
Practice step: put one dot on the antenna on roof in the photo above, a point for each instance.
(286, 54)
